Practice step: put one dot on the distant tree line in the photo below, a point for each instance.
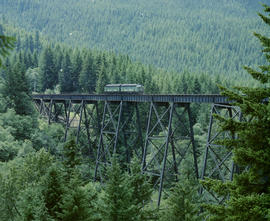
(51, 66)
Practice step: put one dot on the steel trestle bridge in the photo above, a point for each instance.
(156, 128)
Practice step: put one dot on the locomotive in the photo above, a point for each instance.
(124, 88)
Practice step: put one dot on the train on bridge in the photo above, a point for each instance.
(124, 88)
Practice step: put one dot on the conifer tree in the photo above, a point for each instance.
(141, 192)
(31, 45)
(6, 44)
(49, 74)
(72, 155)
(101, 80)
(117, 198)
(182, 203)
(58, 57)
(37, 44)
(53, 191)
(64, 196)
(196, 86)
(183, 199)
(16, 90)
(87, 78)
(76, 70)
(115, 76)
(35, 59)
(74, 203)
(249, 192)
(65, 75)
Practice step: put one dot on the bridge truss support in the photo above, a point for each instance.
(162, 143)
(80, 118)
(169, 135)
(120, 133)
(217, 162)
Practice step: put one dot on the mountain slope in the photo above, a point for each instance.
(196, 35)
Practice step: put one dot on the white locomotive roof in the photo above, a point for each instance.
(123, 85)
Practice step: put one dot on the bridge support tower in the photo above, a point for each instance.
(217, 162)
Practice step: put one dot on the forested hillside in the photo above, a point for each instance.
(201, 36)
(60, 48)
(53, 66)
(44, 178)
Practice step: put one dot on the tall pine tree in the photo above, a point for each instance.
(249, 192)
(49, 74)
(76, 69)
(88, 78)
(16, 90)
(65, 75)
(117, 198)
(101, 80)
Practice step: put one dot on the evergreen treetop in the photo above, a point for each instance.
(249, 192)
(6, 44)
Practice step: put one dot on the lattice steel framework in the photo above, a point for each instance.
(169, 135)
(80, 118)
(162, 144)
(217, 162)
(120, 133)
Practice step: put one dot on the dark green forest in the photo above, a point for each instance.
(170, 47)
(30, 146)
(176, 35)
